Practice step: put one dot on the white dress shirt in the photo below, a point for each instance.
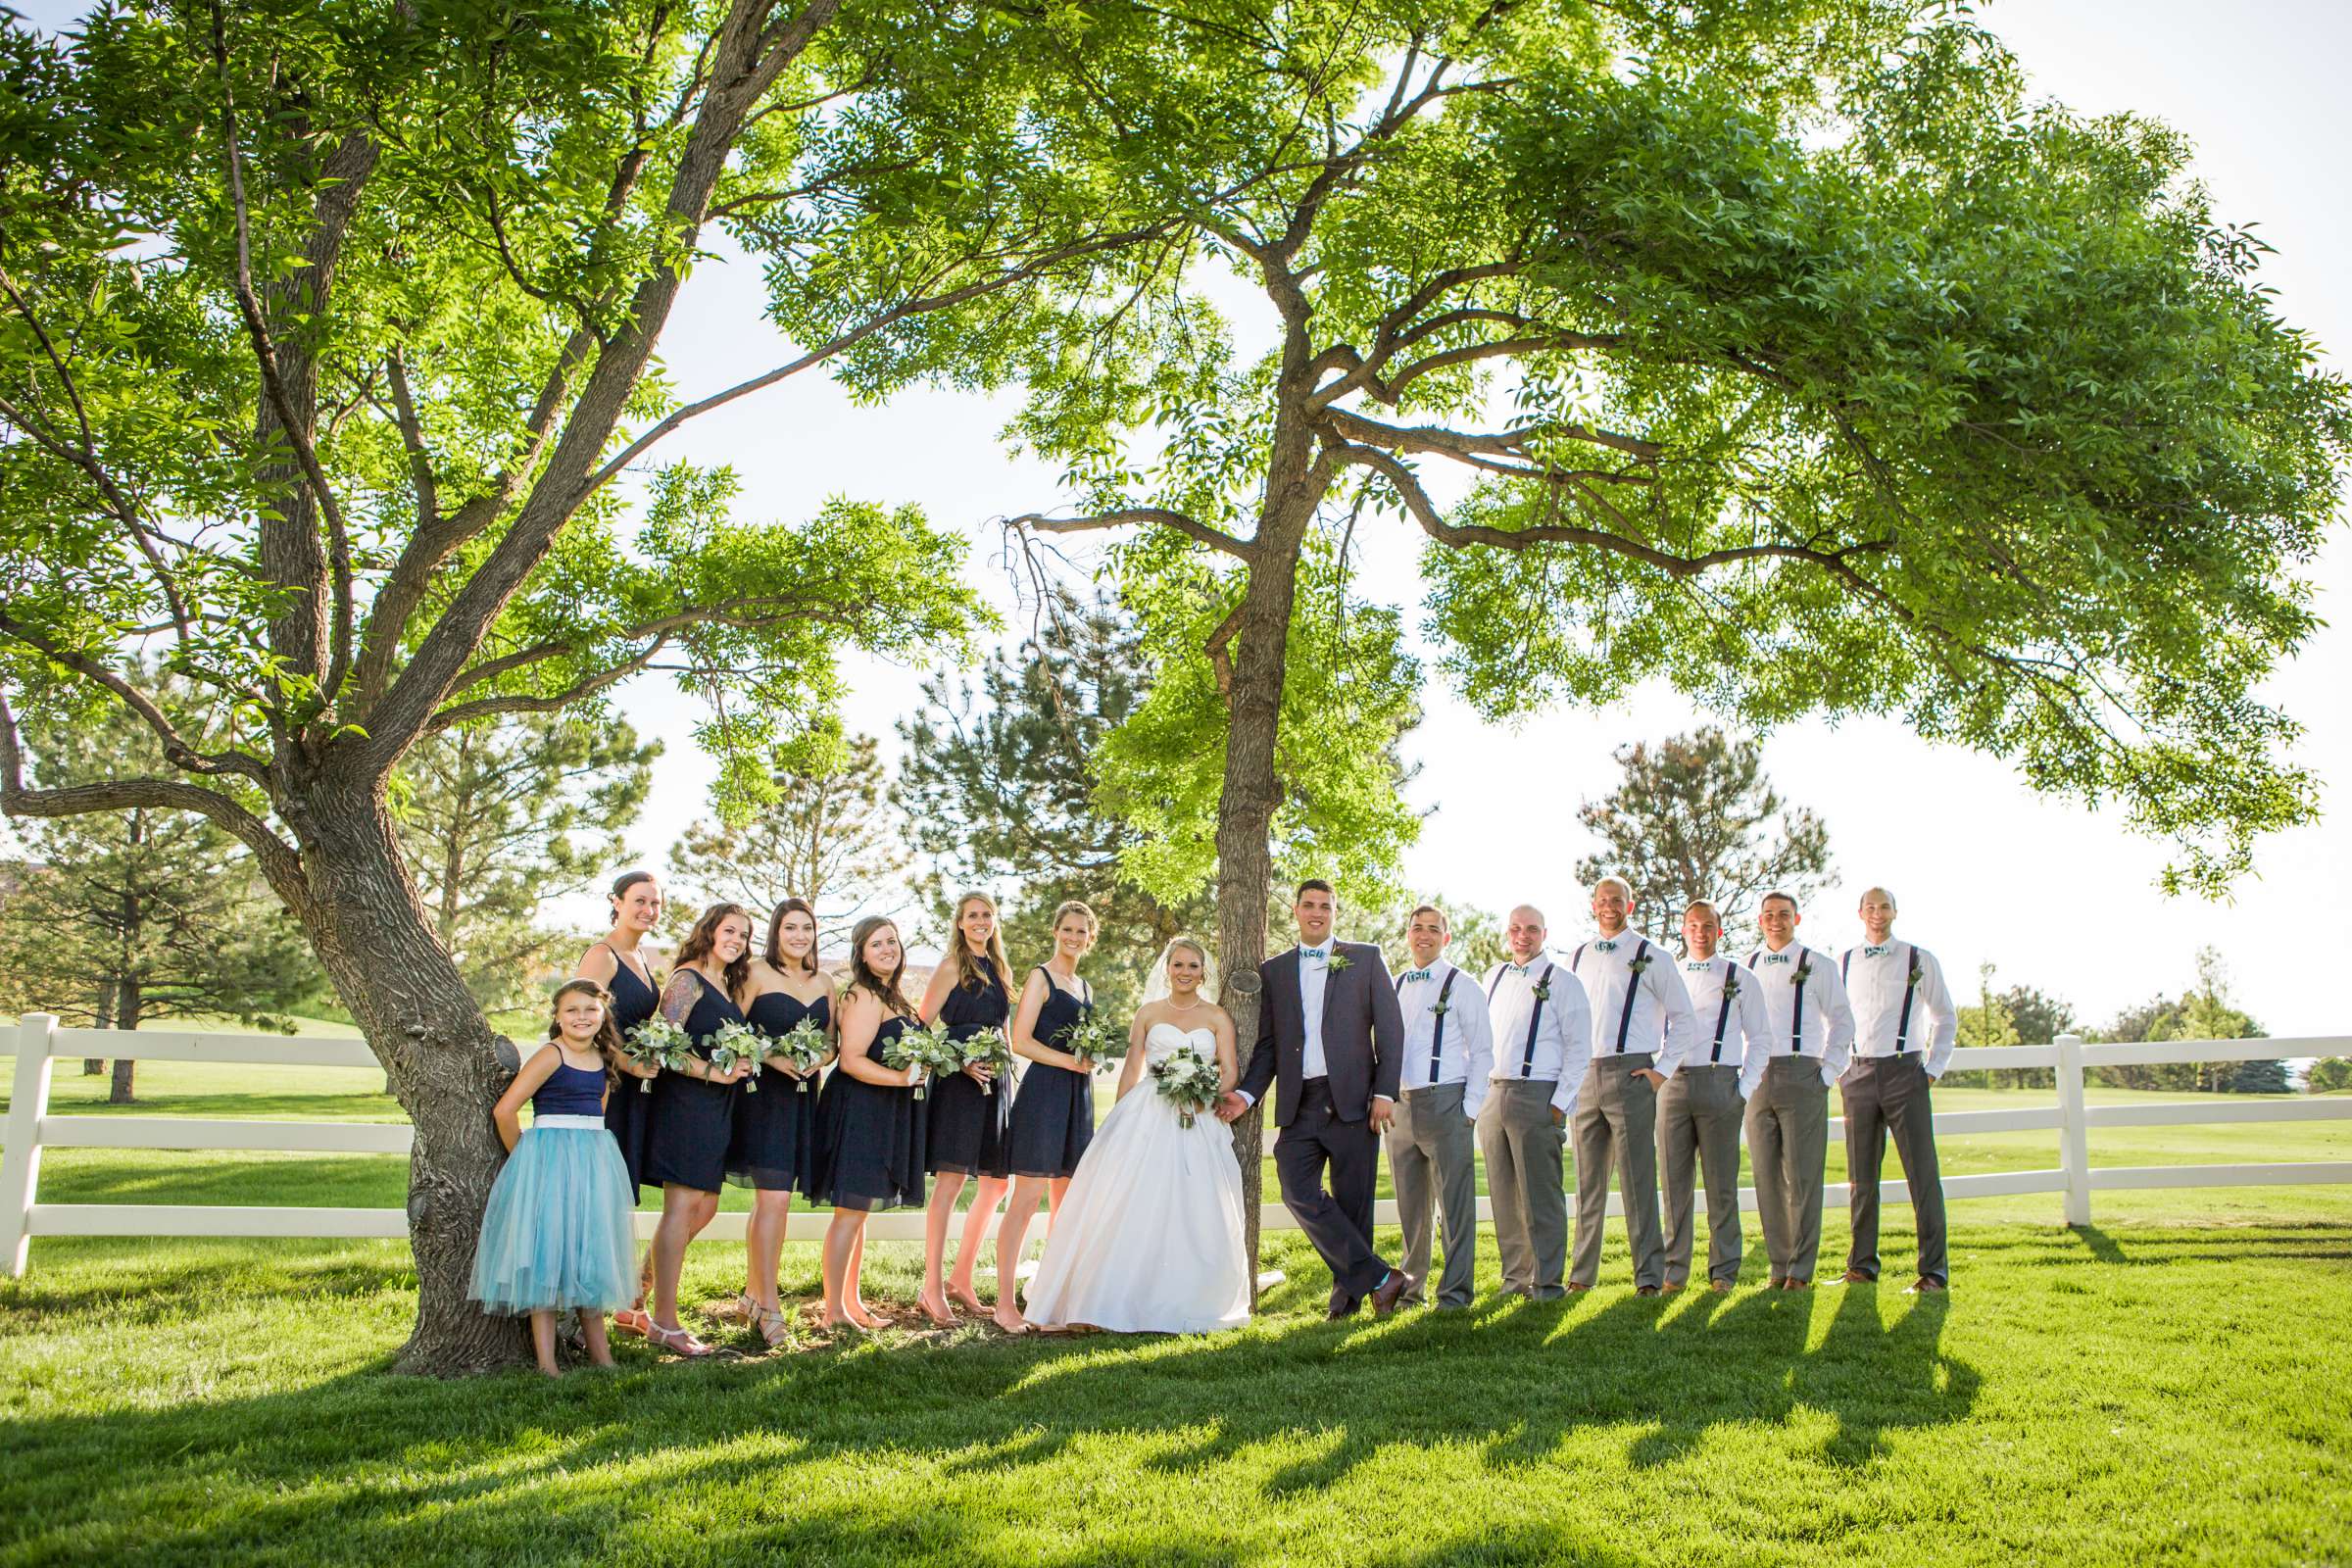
(1738, 1035)
(1879, 977)
(1466, 1049)
(1563, 1023)
(1825, 1027)
(1315, 968)
(1660, 1019)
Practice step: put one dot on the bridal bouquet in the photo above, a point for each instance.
(804, 1045)
(733, 1045)
(987, 1048)
(1188, 1079)
(656, 1042)
(1095, 1043)
(927, 1048)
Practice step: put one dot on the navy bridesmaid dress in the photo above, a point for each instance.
(967, 1122)
(870, 1139)
(694, 1119)
(1054, 1120)
(775, 1149)
(629, 1107)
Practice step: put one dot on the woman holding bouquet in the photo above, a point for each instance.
(870, 1125)
(1150, 1237)
(1055, 1117)
(968, 1112)
(774, 1148)
(694, 1106)
(620, 964)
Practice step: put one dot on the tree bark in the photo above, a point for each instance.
(359, 906)
(128, 1004)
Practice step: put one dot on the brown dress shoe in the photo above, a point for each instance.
(1855, 1276)
(1723, 1285)
(1671, 1286)
(1778, 1282)
(1383, 1300)
(1573, 1286)
(1793, 1282)
(1924, 1286)
(1645, 1290)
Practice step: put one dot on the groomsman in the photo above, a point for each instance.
(1542, 1032)
(1700, 1107)
(1433, 1142)
(1642, 1033)
(1812, 1032)
(1899, 1002)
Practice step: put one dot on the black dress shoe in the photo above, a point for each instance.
(1383, 1299)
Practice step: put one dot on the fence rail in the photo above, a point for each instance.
(40, 1042)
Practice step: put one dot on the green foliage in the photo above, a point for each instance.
(498, 818)
(2204, 1011)
(2330, 1075)
(999, 783)
(824, 838)
(1475, 936)
(1697, 818)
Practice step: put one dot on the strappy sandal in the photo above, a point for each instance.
(742, 1309)
(677, 1339)
(771, 1327)
(633, 1320)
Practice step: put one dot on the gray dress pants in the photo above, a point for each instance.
(1433, 1160)
(1788, 1142)
(1890, 1094)
(1522, 1150)
(1699, 1113)
(1617, 1123)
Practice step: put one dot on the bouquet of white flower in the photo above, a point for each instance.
(737, 1043)
(1094, 1042)
(804, 1045)
(988, 1048)
(656, 1042)
(927, 1048)
(1188, 1079)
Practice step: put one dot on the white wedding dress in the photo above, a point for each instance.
(1150, 1237)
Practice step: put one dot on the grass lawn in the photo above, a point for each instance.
(2168, 1386)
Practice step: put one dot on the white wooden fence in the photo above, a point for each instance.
(31, 1129)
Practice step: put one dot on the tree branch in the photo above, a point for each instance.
(176, 749)
(1162, 517)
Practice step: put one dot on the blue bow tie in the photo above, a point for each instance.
(1417, 974)
(1876, 950)
(1604, 947)
(1519, 968)
(1776, 957)
(1312, 953)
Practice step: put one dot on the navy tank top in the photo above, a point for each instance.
(570, 1092)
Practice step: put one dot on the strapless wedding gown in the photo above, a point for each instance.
(1150, 1239)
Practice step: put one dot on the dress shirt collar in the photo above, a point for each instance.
(1794, 952)
(1891, 944)
(1702, 966)
(1438, 970)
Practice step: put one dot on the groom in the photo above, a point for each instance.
(1330, 1040)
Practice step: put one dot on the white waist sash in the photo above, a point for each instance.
(575, 1124)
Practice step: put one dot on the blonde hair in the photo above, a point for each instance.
(1070, 906)
(1618, 882)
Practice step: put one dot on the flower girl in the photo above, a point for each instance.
(556, 1235)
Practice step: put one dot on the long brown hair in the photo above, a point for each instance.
(608, 1033)
(882, 988)
(775, 933)
(703, 941)
(967, 966)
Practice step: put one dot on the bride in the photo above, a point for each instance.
(1150, 1237)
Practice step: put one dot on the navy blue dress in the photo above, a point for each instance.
(967, 1122)
(1053, 1118)
(694, 1119)
(775, 1130)
(870, 1139)
(629, 1108)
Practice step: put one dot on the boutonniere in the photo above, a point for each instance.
(1440, 1008)
(1804, 967)
(1918, 971)
(1544, 989)
(1338, 960)
(1636, 967)
(1731, 985)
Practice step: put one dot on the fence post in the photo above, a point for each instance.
(2074, 1130)
(21, 1166)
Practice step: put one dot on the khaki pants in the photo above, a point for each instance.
(1698, 1125)
(1433, 1157)
(1788, 1140)
(1522, 1150)
(1617, 1123)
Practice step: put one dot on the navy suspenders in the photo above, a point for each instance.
(1723, 1016)
(1527, 1058)
(1796, 1019)
(1436, 1037)
(1911, 973)
(1632, 988)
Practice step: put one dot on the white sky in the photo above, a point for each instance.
(2053, 895)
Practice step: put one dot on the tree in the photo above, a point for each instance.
(998, 784)
(1833, 376)
(499, 817)
(2330, 1075)
(1474, 945)
(149, 914)
(2205, 1012)
(328, 331)
(1697, 818)
(825, 839)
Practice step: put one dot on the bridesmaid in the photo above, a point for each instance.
(1055, 1118)
(774, 1150)
(870, 1138)
(694, 1107)
(626, 970)
(972, 990)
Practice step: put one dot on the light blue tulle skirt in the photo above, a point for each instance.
(556, 1236)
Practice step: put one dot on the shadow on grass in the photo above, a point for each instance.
(625, 1464)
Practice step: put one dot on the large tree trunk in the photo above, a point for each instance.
(446, 1067)
(128, 1004)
